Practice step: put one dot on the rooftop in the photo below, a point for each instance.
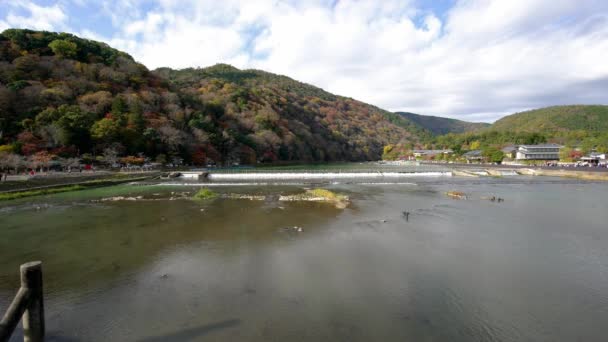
(542, 146)
(474, 153)
(433, 151)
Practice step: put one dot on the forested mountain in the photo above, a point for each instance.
(61, 95)
(439, 125)
(268, 111)
(556, 119)
(581, 126)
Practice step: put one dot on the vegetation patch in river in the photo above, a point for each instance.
(204, 194)
(456, 194)
(246, 197)
(340, 201)
(29, 193)
(319, 195)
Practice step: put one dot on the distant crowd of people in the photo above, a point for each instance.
(578, 164)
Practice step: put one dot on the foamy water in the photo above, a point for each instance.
(326, 175)
(208, 184)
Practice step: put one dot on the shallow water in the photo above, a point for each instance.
(532, 268)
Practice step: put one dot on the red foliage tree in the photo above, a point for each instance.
(199, 157)
(575, 155)
(30, 144)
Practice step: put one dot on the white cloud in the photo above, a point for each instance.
(38, 17)
(4, 25)
(478, 61)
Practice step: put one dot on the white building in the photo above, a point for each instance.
(595, 158)
(538, 152)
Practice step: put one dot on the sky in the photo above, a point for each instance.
(474, 60)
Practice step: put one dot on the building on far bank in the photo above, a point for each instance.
(473, 156)
(594, 158)
(598, 155)
(430, 153)
(538, 152)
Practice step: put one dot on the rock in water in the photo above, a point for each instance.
(456, 194)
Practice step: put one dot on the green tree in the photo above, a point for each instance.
(119, 105)
(47, 117)
(64, 48)
(119, 110)
(73, 122)
(587, 145)
(161, 158)
(26, 67)
(27, 124)
(135, 119)
(386, 151)
(492, 154)
(75, 125)
(106, 130)
(565, 154)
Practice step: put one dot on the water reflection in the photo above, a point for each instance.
(97, 242)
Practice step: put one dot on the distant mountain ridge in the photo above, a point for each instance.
(556, 119)
(582, 126)
(440, 125)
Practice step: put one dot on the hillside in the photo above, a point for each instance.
(581, 126)
(439, 125)
(556, 119)
(61, 95)
(281, 108)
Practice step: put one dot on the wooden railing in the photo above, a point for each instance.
(27, 306)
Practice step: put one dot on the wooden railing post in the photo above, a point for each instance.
(13, 315)
(33, 318)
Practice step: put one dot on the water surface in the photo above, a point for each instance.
(532, 268)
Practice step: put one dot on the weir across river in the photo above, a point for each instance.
(305, 175)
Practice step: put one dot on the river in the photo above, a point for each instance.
(167, 268)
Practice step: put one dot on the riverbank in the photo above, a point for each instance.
(499, 172)
(578, 174)
(45, 186)
(478, 170)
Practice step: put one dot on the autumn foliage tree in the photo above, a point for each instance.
(63, 48)
(41, 159)
(132, 160)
